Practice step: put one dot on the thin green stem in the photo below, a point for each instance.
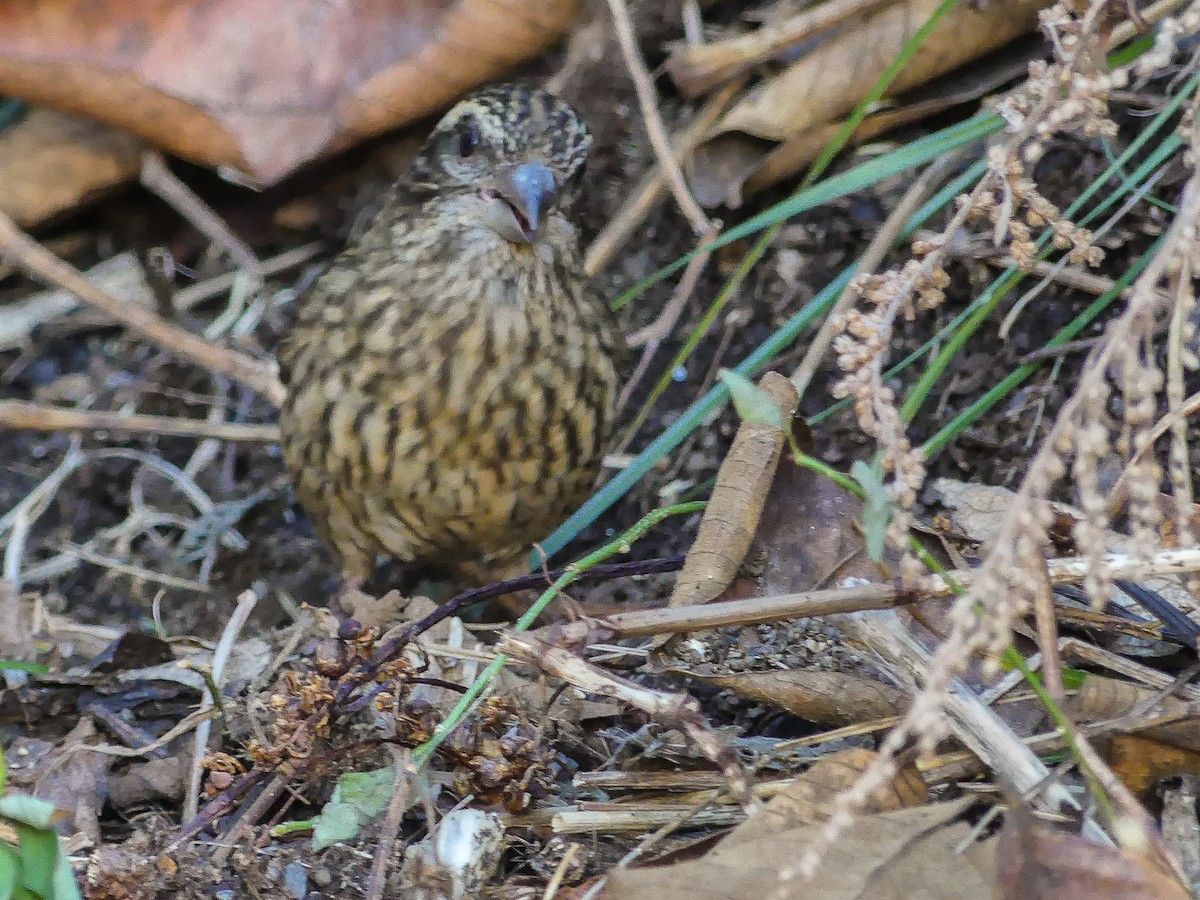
(712, 402)
(1012, 275)
(621, 544)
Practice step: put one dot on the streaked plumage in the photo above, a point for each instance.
(451, 377)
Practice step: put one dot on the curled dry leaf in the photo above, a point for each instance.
(729, 523)
(829, 698)
(829, 81)
(783, 124)
(696, 68)
(50, 162)
(1100, 698)
(806, 800)
(192, 77)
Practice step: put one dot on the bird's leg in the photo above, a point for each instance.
(351, 594)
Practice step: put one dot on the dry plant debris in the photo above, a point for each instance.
(192, 77)
(797, 689)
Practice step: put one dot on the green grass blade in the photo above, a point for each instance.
(712, 402)
(918, 153)
(1068, 333)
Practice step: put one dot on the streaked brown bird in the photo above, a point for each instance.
(451, 377)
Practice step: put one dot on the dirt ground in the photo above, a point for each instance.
(279, 554)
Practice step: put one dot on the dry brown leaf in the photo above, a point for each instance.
(827, 83)
(904, 853)
(729, 523)
(1107, 698)
(1041, 864)
(1141, 762)
(696, 68)
(726, 168)
(265, 85)
(75, 782)
(830, 698)
(51, 162)
(808, 536)
(806, 800)
(149, 782)
(790, 157)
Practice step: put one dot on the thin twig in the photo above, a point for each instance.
(253, 813)
(160, 180)
(649, 191)
(564, 866)
(655, 130)
(241, 612)
(17, 414)
(396, 808)
(652, 336)
(390, 648)
(872, 596)
(39, 262)
(678, 710)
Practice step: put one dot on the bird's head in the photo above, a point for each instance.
(518, 149)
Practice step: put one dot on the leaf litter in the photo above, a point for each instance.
(765, 725)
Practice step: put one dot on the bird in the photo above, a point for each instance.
(451, 376)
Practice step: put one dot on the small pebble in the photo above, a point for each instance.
(295, 879)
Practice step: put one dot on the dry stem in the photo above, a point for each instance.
(655, 130)
(29, 255)
(874, 596)
(18, 414)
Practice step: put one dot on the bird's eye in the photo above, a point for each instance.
(468, 138)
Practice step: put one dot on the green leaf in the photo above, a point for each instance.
(65, 885)
(28, 810)
(10, 869)
(39, 855)
(1073, 678)
(358, 798)
(877, 507)
(3, 777)
(15, 665)
(752, 403)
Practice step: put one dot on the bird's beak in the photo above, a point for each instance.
(518, 201)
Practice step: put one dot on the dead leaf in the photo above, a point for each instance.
(735, 164)
(149, 782)
(76, 782)
(887, 856)
(827, 83)
(51, 162)
(806, 800)
(374, 612)
(193, 77)
(808, 536)
(1101, 698)
(829, 698)
(697, 68)
(1041, 864)
(737, 501)
(1141, 762)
